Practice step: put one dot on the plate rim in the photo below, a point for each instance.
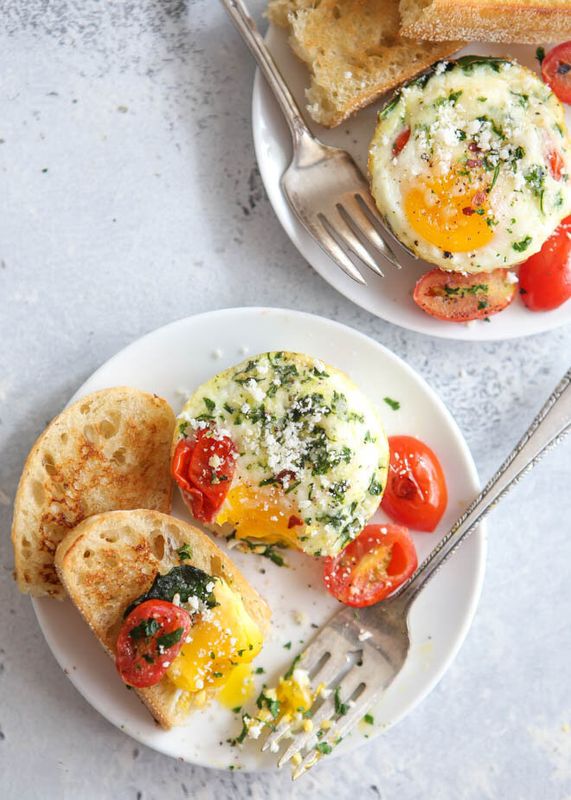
(288, 222)
(156, 742)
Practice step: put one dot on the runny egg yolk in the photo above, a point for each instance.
(450, 213)
(220, 640)
(261, 514)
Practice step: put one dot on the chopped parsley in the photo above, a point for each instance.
(540, 54)
(259, 671)
(184, 552)
(340, 708)
(292, 667)
(523, 245)
(323, 748)
(375, 487)
(394, 404)
(287, 645)
(169, 639)
(145, 629)
(535, 179)
(369, 719)
(210, 404)
(264, 701)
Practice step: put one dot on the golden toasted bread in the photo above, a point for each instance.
(529, 21)
(111, 559)
(110, 450)
(353, 50)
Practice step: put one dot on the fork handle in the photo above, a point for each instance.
(247, 29)
(547, 429)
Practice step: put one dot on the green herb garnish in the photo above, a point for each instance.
(169, 639)
(184, 580)
(145, 629)
(184, 552)
(394, 404)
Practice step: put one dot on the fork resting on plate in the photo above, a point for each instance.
(323, 185)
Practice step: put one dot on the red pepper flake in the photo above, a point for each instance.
(400, 142)
(294, 521)
(468, 211)
(474, 162)
(478, 199)
(473, 148)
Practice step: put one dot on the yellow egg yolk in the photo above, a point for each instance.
(238, 687)
(221, 638)
(261, 514)
(450, 213)
(294, 696)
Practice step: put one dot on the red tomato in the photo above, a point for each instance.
(204, 485)
(556, 163)
(545, 278)
(372, 566)
(400, 142)
(416, 493)
(149, 640)
(460, 298)
(556, 71)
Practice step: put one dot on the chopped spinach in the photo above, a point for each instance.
(184, 580)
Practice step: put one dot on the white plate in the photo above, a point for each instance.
(183, 355)
(389, 297)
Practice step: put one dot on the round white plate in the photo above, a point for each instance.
(390, 297)
(175, 360)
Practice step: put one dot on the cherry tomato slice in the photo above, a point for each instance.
(545, 278)
(149, 640)
(454, 297)
(400, 142)
(556, 71)
(416, 493)
(372, 566)
(203, 468)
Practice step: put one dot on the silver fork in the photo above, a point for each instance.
(324, 187)
(358, 654)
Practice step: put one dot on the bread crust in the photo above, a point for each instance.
(109, 450)
(125, 551)
(353, 50)
(487, 20)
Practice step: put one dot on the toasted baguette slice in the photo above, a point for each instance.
(111, 559)
(529, 21)
(110, 450)
(353, 50)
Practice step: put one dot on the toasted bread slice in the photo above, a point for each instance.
(528, 21)
(110, 450)
(111, 559)
(353, 50)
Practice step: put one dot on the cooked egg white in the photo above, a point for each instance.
(220, 645)
(312, 454)
(483, 178)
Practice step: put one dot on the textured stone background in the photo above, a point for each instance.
(130, 197)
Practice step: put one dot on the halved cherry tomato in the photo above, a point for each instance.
(545, 278)
(400, 142)
(416, 493)
(460, 298)
(372, 566)
(149, 640)
(556, 71)
(203, 468)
